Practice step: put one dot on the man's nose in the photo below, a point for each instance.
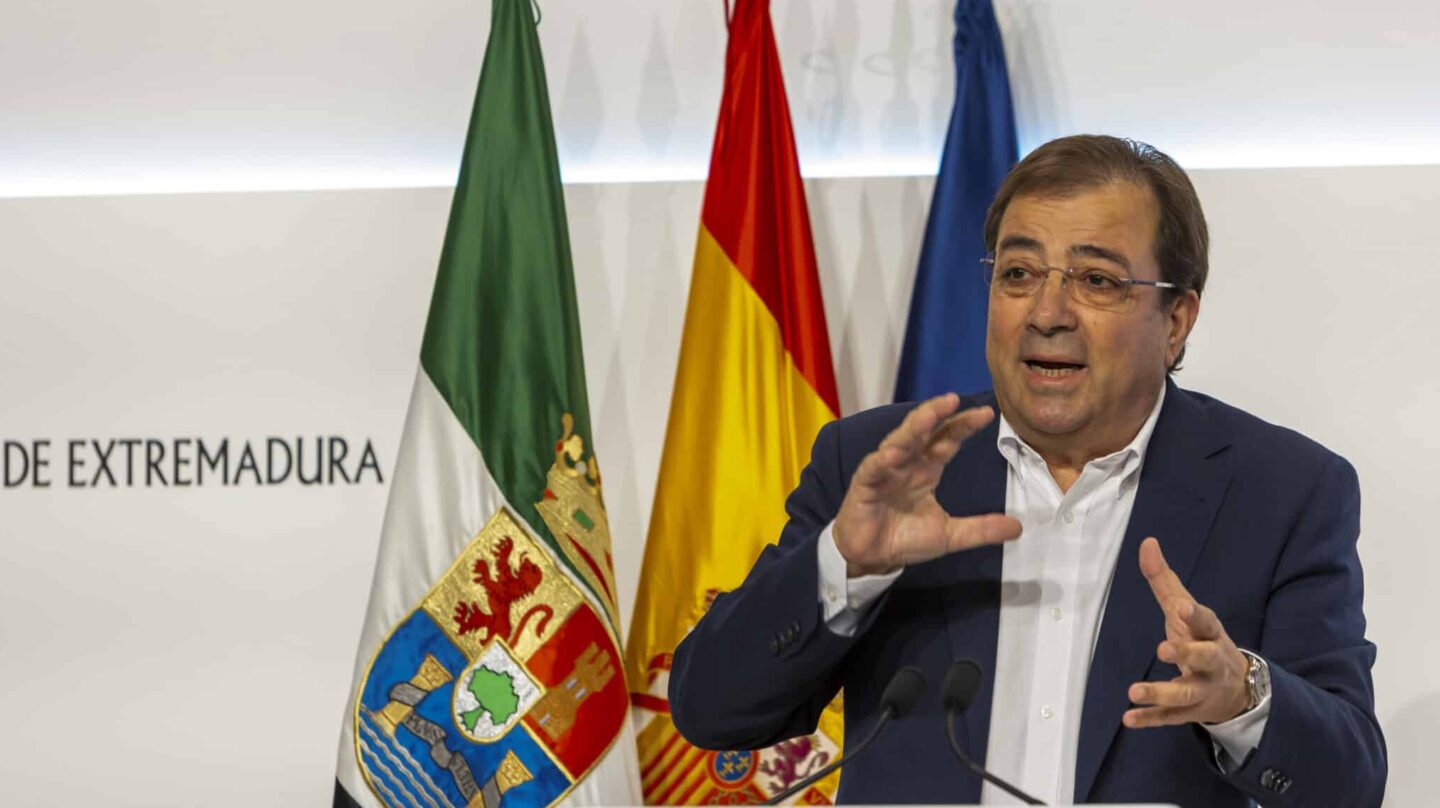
(1052, 308)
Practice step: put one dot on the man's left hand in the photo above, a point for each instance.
(1211, 687)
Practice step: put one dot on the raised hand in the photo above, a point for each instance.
(1211, 686)
(890, 517)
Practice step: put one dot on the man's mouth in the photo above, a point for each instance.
(1054, 368)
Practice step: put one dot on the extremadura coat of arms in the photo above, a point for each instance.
(505, 683)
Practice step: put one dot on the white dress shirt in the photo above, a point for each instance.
(1055, 580)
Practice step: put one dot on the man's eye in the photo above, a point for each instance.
(1100, 280)
(1016, 274)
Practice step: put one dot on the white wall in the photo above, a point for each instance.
(190, 646)
(127, 95)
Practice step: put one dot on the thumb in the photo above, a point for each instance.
(968, 532)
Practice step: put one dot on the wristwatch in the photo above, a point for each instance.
(1257, 680)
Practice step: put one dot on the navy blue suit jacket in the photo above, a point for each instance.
(1259, 522)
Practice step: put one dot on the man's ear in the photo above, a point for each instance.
(1184, 311)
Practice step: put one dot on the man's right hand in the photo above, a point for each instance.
(890, 517)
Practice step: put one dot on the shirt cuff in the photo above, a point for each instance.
(844, 600)
(1234, 740)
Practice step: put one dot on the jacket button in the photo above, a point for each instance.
(1275, 780)
(795, 627)
(775, 650)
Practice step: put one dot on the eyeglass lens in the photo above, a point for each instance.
(1089, 285)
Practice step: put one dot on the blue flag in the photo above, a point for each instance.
(945, 337)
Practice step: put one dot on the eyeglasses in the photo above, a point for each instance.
(1092, 286)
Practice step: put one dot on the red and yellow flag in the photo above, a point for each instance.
(755, 383)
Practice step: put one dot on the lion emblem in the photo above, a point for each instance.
(503, 588)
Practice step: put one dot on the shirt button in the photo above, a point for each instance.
(830, 594)
(1046, 712)
(1056, 614)
(1069, 517)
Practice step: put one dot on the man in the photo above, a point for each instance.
(1163, 591)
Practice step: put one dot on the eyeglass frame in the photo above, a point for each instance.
(1068, 274)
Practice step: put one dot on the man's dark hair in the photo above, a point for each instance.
(1071, 165)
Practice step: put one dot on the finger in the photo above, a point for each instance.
(968, 532)
(1185, 691)
(1203, 624)
(1164, 583)
(1146, 717)
(877, 468)
(920, 423)
(1198, 657)
(965, 423)
(1177, 618)
(954, 431)
(935, 422)
(890, 460)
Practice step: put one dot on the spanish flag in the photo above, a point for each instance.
(755, 383)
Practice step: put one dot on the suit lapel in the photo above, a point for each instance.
(1181, 485)
(974, 483)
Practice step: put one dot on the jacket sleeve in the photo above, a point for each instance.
(1322, 744)
(761, 665)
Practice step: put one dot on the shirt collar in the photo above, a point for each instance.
(1126, 461)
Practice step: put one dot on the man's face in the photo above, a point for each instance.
(1066, 373)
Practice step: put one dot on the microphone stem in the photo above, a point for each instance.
(974, 767)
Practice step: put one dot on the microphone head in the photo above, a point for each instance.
(903, 691)
(962, 682)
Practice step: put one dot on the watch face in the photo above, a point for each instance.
(1258, 679)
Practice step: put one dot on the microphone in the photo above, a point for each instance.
(962, 681)
(900, 695)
